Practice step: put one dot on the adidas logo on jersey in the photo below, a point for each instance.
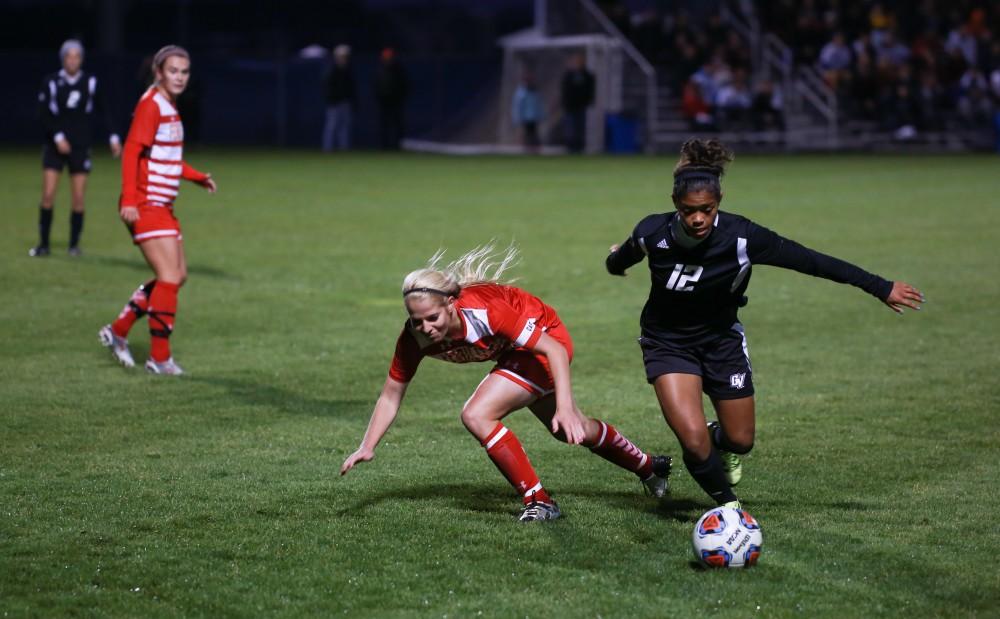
(663, 244)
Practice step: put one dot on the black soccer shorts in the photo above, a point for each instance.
(722, 359)
(78, 159)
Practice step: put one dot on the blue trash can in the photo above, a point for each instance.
(621, 133)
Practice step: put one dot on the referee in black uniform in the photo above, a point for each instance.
(700, 261)
(67, 101)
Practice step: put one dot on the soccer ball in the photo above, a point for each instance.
(727, 537)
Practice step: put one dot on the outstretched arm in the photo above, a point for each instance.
(766, 247)
(567, 417)
(382, 417)
(903, 295)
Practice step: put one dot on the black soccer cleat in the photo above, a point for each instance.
(39, 251)
(658, 484)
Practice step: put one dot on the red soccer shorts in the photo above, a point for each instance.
(530, 370)
(155, 222)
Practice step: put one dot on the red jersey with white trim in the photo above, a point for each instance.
(152, 159)
(495, 319)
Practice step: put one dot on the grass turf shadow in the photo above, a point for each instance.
(257, 393)
(137, 264)
(485, 498)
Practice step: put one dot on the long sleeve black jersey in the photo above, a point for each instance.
(67, 104)
(699, 290)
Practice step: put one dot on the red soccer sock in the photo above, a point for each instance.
(162, 309)
(506, 452)
(617, 449)
(133, 310)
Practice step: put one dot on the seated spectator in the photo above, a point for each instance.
(994, 74)
(695, 109)
(835, 60)
(890, 50)
(687, 59)
(930, 103)
(863, 45)
(766, 111)
(975, 108)
(712, 76)
(864, 89)
(733, 102)
(973, 103)
(962, 39)
(835, 55)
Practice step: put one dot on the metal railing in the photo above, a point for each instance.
(635, 63)
(802, 87)
(811, 87)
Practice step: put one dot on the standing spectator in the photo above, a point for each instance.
(391, 87)
(340, 95)
(526, 111)
(66, 101)
(577, 96)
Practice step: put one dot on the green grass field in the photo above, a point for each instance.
(878, 452)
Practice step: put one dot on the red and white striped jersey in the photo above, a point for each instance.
(152, 160)
(495, 319)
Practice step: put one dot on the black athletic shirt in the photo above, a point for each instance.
(697, 291)
(66, 106)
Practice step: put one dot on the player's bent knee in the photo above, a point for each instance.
(741, 447)
(477, 421)
(697, 445)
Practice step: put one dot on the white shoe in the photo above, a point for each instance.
(168, 367)
(118, 346)
(539, 510)
(732, 504)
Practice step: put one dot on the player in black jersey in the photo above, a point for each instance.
(67, 101)
(700, 261)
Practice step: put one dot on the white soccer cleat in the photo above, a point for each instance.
(118, 346)
(539, 510)
(168, 367)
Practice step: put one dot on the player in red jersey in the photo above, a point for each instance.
(461, 314)
(152, 168)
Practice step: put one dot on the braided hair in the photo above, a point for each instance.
(701, 165)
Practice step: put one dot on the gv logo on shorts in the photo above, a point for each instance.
(736, 381)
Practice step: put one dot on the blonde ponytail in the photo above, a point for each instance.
(480, 265)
